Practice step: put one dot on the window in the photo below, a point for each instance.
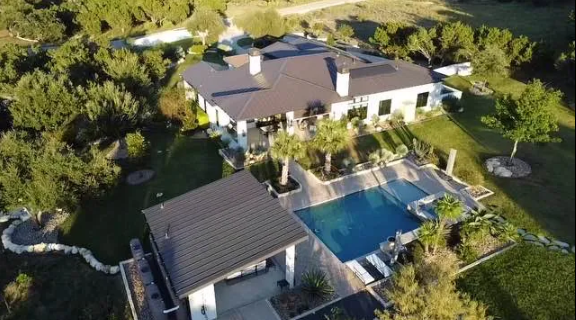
(360, 112)
(422, 100)
(360, 99)
(385, 108)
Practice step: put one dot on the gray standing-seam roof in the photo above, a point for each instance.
(297, 82)
(207, 234)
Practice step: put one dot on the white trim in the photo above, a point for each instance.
(127, 288)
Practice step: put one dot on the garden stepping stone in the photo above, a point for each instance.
(530, 237)
(561, 244)
(545, 240)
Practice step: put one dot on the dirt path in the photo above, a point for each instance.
(314, 6)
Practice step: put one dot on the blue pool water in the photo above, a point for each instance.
(355, 225)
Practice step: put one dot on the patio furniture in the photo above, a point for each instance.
(380, 265)
(359, 270)
(283, 284)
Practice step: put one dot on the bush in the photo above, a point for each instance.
(402, 150)
(470, 176)
(197, 49)
(315, 283)
(467, 253)
(137, 145)
(174, 107)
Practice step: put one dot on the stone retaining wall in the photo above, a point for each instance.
(43, 248)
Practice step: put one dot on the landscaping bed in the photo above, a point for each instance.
(292, 186)
(296, 302)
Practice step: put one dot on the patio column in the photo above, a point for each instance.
(203, 303)
(290, 122)
(291, 265)
(242, 130)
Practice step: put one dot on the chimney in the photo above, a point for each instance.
(255, 61)
(343, 81)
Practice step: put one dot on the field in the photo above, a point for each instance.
(548, 23)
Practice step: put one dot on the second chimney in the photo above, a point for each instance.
(255, 61)
(343, 81)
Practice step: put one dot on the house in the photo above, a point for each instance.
(224, 232)
(291, 84)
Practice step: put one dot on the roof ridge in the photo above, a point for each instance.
(308, 82)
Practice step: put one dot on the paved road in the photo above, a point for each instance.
(314, 6)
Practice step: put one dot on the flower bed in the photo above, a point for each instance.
(479, 192)
(289, 188)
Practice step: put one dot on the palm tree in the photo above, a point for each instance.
(332, 137)
(447, 208)
(285, 148)
(427, 235)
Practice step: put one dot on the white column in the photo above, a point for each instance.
(291, 265)
(290, 122)
(451, 162)
(203, 304)
(242, 130)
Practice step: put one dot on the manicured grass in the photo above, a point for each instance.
(549, 23)
(106, 225)
(526, 283)
(63, 287)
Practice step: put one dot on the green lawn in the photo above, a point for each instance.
(526, 283)
(106, 225)
(61, 288)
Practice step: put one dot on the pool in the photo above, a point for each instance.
(355, 225)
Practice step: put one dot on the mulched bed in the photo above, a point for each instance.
(137, 291)
(501, 167)
(359, 306)
(296, 302)
(280, 189)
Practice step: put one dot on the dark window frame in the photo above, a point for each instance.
(422, 100)
(385, 107)
(360, 112)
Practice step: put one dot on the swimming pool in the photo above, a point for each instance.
(355, 225)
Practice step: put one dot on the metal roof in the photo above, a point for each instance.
(207, 234)
(295, 83)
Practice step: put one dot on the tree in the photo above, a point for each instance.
(207, 24)
(422, 41)
(12, 63)
(427, 235)
(528, 118)
(215, 5)
(137, 145)
(44, 174)
(332, 137)
(490, 62)
(44, 102)
(456, 41)
(75, 59)
(29, 22)
(287, 147)
(391, 38)
(447, 209)
(161, 11)
(263, 23)
(417, 295)
(112, 110)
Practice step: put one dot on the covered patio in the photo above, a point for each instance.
(218, 245)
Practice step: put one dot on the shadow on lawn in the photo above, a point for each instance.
(106, 224)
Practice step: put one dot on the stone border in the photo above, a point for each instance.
(487, 195)
(273, 191)
(488, 257)
(546, 242)
(42, 248)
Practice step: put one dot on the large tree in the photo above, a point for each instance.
(112, 110)
(429, 292)
(566, 62)
(287, 147)
(263, 23)
(422, 41)
(161, 11)
(391, 38)
(44, 102)
(44, 174)
(491, 61)
(207, 24)
(332, 137)
(36, 21)
(74, 59)
(456, 41)
(528, 118)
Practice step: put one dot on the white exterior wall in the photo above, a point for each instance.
(403, 100)
(291, 265)
(242, 130)
(203, 300)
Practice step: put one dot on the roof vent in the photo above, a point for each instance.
(162, 206)
(167, 235)
(396, 67)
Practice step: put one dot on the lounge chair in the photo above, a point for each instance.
(360, 272)
(380, 265)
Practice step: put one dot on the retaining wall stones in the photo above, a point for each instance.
(42, 248)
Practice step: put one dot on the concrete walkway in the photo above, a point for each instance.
(314, 6)
(260, 310)
(315, 193)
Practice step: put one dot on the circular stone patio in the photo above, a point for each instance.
(501, 167)
(139, 177)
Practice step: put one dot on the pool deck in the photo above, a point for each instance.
(314, 193)
(314, 254)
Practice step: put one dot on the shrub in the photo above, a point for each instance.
(375, 120)
(471, 176)
(451, 105)
(422, 150)
(381, 157)
(197, 49)
(174, 107)
(19, 289)
(315, 283)
(137, 145)
(467, 253)
(402, 150)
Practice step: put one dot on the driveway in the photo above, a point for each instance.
(314, 6)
